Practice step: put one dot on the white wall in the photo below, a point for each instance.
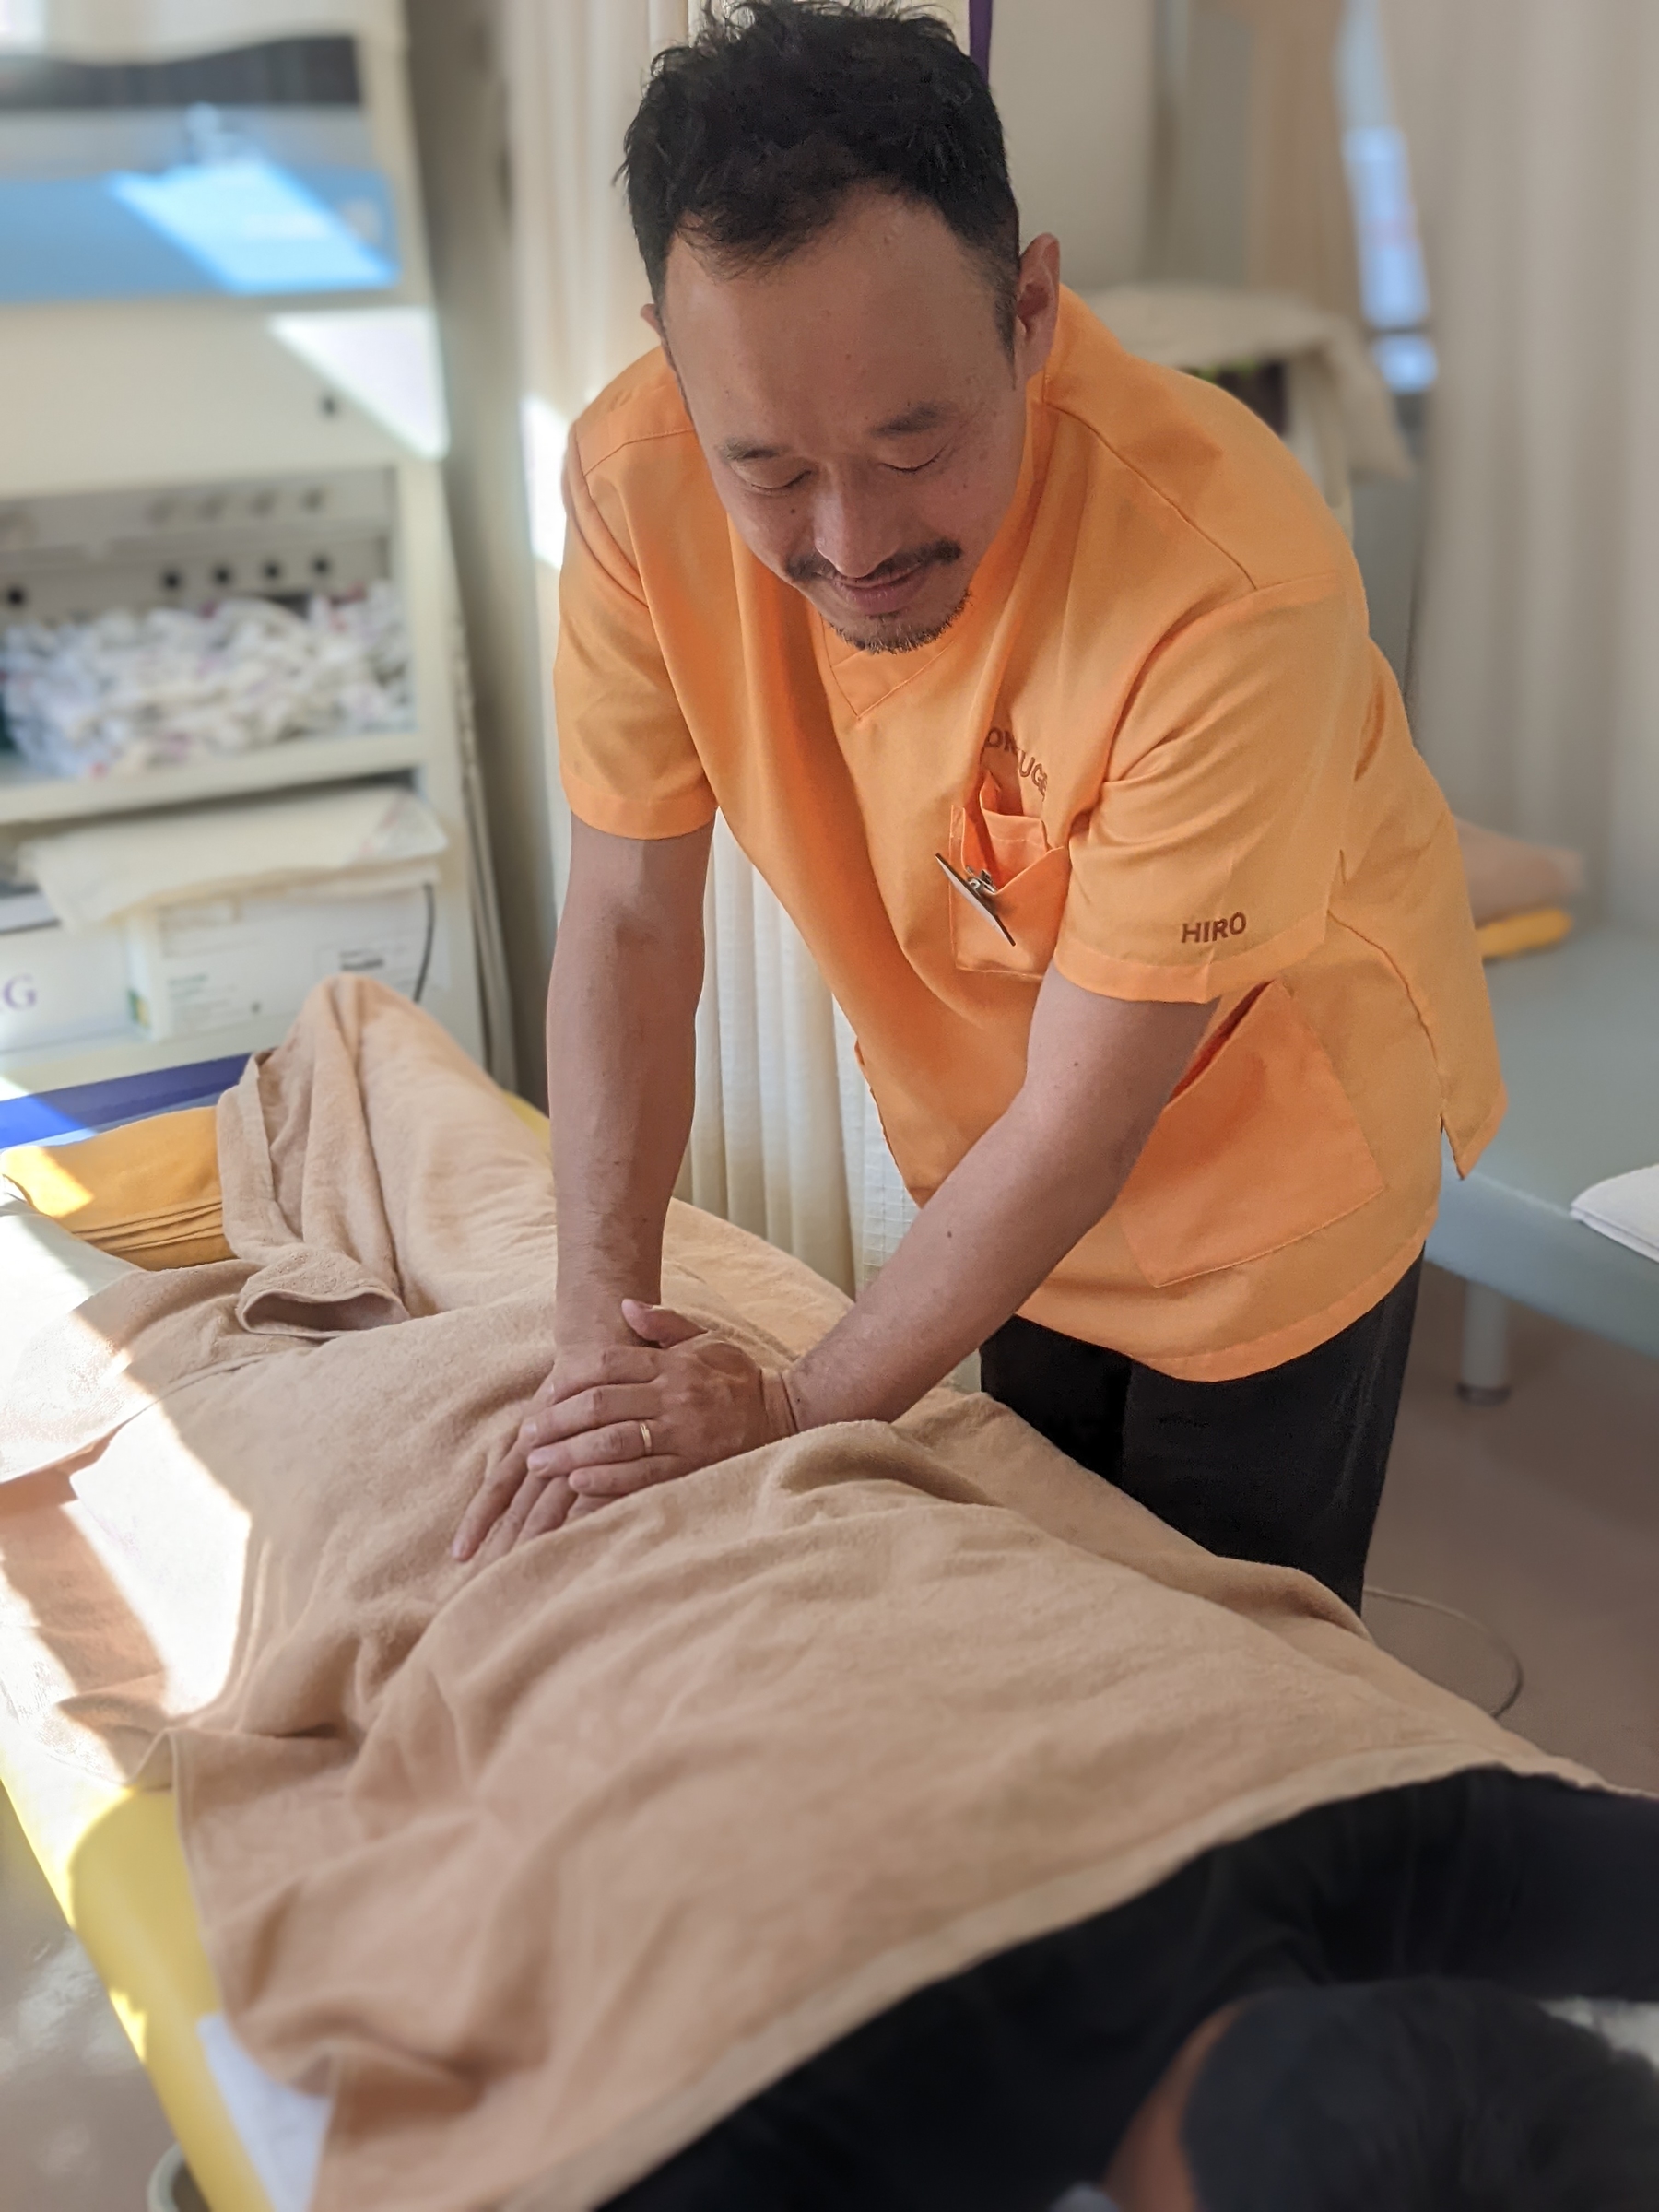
(1075, 82)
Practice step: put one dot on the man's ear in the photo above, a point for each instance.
(1037, 303)
(650, 317)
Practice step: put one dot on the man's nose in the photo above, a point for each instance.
(855, 530)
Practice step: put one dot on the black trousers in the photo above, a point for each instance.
(1285, 1466)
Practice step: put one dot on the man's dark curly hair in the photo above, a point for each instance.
(749, 140)
(1419, 2096)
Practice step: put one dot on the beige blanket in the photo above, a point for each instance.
(544, 1866)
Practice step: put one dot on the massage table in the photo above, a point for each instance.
(113, 1856)
(1578, 1027)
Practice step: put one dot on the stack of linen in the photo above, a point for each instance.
(1625, 1207)
(129, 693)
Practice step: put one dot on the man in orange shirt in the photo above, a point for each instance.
(1036, 681)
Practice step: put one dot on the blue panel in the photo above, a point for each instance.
(52, 1116)
(210, 229)
(71, 239)
(254, 228)
(361, 197)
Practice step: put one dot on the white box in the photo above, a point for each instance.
(219, 962)
(56, 989)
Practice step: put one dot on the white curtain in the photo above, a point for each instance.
(785, 1140)
(574, 69)
(1536, 670)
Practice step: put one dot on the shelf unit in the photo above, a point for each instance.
(168, 424)
(432, 757)
(29, 798)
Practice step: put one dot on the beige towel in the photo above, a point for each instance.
(543, 1867)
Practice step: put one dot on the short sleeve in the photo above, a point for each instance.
(1208, 862)
(626, 756)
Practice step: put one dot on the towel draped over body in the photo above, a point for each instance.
(543, 1867)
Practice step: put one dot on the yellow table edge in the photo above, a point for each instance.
(114, 1861)
(116, 1867)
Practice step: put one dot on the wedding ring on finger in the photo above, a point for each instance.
(644, 1440)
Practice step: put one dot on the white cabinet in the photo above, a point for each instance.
(172, 451)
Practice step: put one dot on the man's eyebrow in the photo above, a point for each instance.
(744, 449)
(929, 416)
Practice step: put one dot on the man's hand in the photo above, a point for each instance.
(613, 1418)
(500, 1512)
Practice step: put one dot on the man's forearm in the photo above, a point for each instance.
(992, 1233)
(621, 1053)
(1035, 1184)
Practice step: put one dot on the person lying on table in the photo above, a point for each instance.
(1036, 682)
(1338, 2013)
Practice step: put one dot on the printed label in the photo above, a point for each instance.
(1030, 768)
(1211, 933)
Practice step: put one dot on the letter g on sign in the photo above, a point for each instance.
(18, 993)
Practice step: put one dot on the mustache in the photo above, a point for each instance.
(812, 568)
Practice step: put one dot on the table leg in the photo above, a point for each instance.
(1485, 1376)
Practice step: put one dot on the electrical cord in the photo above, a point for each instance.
(1511, 1658)
(432, 938)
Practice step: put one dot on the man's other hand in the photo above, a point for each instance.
(613, 1418)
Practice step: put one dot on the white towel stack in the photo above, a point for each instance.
(110, 869)
(130, 692)
(1625, 1207)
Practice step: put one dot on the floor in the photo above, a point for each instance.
(1536, 1523)
(1540, 1519)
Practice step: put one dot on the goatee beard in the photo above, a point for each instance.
(909, 639)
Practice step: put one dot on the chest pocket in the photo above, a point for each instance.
(1028, 899)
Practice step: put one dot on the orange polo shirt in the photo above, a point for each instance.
(1162, 731)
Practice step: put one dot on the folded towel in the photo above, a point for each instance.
(1625, 1207)
(1533, 931)
(112, 869)
(149, 1193)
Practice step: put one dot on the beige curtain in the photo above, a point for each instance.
(1537, 675)
(1300, 235)
(1251, 184)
